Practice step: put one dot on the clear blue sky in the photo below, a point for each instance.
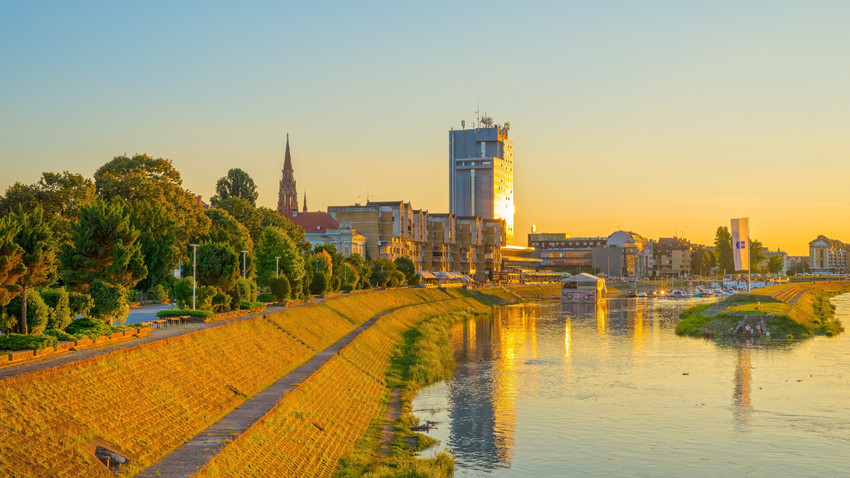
(641, 110)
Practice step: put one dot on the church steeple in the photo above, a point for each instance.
(305, 202)
(287, 199)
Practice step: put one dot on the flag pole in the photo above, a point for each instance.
(749, 253)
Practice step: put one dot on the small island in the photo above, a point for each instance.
(785, 311)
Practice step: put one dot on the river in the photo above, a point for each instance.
(541, 391)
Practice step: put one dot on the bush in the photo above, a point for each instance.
(319, 284)
(243, 289)
(250, 305)
(414, 280)
(280, 288)
(204, 295)
(221, 302)
(38, 313)
(61, 335)
(110, 301)
(27, 342)
(158, 292)
(183, 292)
(265, 297)
(80, 304)
(182, 312)
(60, 308)
(347, 287)
(88, 328)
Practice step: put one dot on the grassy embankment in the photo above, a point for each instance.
(145, 401)
(799, 310)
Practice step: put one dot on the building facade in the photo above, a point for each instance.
(827, 255)
(672, 257)
(322, 228)
(481, 173)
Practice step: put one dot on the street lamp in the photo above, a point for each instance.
(277, 266)
(244, 255)
(194, 271)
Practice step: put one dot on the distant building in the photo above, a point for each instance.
(672, 257)
(287, 197)
(786, 259)
(392, 229)
(827, 255)
(481, 173)
(322, 228)
(560, 252)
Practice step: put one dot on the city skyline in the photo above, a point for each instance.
(665, 119)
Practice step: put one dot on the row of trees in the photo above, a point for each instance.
(704, 261)
(121, 234)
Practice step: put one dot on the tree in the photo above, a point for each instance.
(406, 266)
(39, 245)
(269, 217)
(723, 250)
(11, 262)
(218, 265)
(237, 183)
(156, 180)
(775, 264)
(757, 256)
(245, 214)
(274, 242)
(279, 288)
(701, 261)
(383, 270)
(104, 246)
(157, 239)
(364, 272)
(59, 194)
(321, 267)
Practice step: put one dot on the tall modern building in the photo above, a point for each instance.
(481, 173)
(287, 197)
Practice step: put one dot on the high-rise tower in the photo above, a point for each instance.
(287, 198)
(481, 172)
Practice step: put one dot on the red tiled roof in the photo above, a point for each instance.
(313, 222)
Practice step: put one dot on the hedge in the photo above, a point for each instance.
(182, 312)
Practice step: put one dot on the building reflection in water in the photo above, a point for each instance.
(484, 391)
(742, 399)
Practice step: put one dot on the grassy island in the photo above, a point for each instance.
(796, 310)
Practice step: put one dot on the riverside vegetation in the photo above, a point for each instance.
(795, 310)
(145, 401)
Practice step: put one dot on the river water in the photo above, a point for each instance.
(546, 390)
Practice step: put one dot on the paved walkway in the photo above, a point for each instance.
(158, 334)
(194, 454)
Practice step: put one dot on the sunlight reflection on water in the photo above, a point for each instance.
(612, 391)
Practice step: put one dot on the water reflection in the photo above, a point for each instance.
(546, 390)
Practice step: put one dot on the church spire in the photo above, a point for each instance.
(305, 202)
(287, 199)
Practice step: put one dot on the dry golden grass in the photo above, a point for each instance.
(148, 400)
(802, 297)
(318, 423)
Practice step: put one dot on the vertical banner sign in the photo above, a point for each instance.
(741, 243)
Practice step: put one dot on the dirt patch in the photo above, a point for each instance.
(390, 418)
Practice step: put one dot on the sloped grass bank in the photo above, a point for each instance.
(146, 400)
(320, 422)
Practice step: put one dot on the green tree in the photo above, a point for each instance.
(59, 194)
(274, 242)
(218, 265)
(110, 301)
(723, 250)
(321, 268)
(11, 261)
(155, 179)
(383, 271)
(157, 239)
(104, 246)
(269, 217)
(35, 236)
(757, 256)
(245, 213)
(364, 272)
(237, 183)
(701, 261)
(38, 313)
(280, 288)
(406, 266)
(60, 307)
(225, 229)
(775, 263)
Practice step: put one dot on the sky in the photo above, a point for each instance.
(660, 117)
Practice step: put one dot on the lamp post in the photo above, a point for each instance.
(277, 266)
(244, 255)
(194, 271)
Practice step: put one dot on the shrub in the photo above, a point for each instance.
(415, 280)
(183, 292)
(89, 328)
(60, 308)
(243, 289)
(220, 302)
(158, 292)
(110, 301)
(61, 335)
(38, 313)
(319, 284)
(80, 304)
(250, 305)
(280, 288)
(27, 342)
(265, 297)
(182, 312)
(347, 287)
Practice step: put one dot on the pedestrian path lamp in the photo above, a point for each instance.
(244, 255)
(194, 271)
(277, 266)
